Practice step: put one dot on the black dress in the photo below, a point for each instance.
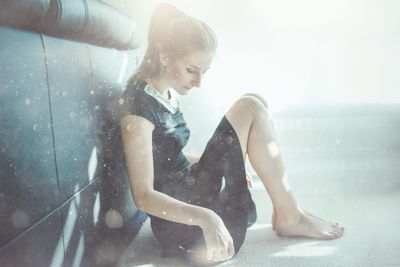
(199, 184)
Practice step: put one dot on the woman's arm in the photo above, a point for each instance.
(137, 144)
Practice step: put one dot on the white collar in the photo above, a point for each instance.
(170, 104)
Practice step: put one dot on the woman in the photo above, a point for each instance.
(190, 215)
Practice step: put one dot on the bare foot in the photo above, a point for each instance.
(273, 219)
(306, 225)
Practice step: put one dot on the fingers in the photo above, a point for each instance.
(224, 252)
(221, 252)
(210, 253)
(218, 241)
(231, 250)
(214, 254)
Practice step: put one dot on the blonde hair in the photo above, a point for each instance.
(175, 33)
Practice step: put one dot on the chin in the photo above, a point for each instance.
(183, 91)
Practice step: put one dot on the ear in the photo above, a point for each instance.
(164, 58)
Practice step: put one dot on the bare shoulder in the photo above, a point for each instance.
(135, 124)
(136, 132)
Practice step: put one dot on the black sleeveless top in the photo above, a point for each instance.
(170, 134)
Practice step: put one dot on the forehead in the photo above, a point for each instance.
(199, 59)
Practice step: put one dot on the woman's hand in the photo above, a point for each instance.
(219, 242)
(249, 179)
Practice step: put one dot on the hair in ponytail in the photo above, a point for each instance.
(173, 32)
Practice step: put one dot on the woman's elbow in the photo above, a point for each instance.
(142, 200)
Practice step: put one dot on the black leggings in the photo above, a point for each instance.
(201, 186)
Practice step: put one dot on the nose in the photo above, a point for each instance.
(197, 81)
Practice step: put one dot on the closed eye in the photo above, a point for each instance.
(193, 71)
(190, 70)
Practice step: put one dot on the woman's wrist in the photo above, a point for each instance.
(206, 216)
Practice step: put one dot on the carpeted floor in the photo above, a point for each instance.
(372, 236)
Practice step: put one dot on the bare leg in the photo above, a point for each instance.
(252, 123)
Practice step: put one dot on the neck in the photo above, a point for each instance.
(160, 85)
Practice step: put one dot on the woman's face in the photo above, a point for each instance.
(185, 73)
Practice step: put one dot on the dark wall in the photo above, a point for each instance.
(64, 194)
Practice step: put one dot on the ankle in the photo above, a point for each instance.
(288, 216)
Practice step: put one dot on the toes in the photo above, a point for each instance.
(342, 230)
(338, 232)
(334, 235)
(337, 226)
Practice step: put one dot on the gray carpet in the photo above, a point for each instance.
(372, 237)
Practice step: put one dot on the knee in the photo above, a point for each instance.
(253, 103)
(247, 108)
(258, 97)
